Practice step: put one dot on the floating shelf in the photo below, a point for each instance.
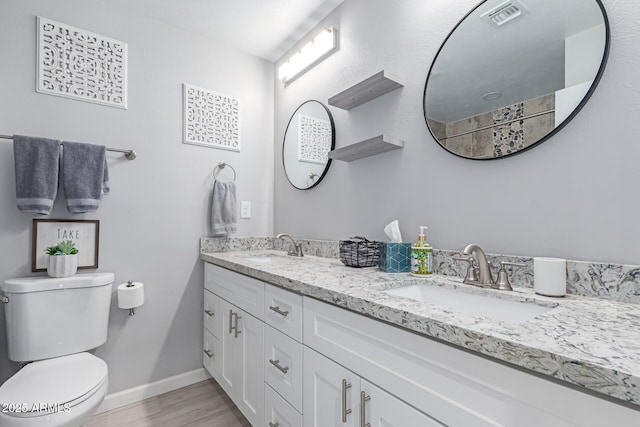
(366, 148)
(368, 89)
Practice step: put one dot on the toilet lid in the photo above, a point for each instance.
(54, 381)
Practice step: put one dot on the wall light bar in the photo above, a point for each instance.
(312, 53)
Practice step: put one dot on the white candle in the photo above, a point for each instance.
(550, 276)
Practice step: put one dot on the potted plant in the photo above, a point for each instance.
(63, 259)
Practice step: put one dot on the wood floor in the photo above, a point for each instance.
(202, 404)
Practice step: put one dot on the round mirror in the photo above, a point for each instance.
(309, 137)
(512, 73)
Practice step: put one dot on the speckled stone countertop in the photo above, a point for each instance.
(589, 342)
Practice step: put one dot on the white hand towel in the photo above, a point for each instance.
(223, 208)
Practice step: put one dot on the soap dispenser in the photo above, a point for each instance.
(421, 255)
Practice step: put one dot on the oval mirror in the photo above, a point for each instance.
(512, 73)
(309, 137)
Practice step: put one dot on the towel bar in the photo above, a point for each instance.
(129, 154)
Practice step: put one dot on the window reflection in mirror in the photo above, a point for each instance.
(309, 137)
(511, 74)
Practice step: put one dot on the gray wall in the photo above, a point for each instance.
(157, 210)
(574, 196)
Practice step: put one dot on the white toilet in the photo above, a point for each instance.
(52, 322)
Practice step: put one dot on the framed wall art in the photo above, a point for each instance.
(211, 119)
(48, 232)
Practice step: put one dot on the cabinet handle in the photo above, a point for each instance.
(209, 313)
(208, 353)
(276, 363)
(231, 314)
(277, 310)
(273, 425)
(235, 327)
(345, 411)
(363, 399)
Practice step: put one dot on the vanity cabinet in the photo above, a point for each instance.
(287, 360)
(233, 309)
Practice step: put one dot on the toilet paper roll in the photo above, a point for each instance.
(130, 295)
(550, 276)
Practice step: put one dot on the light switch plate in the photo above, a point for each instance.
(245, 209)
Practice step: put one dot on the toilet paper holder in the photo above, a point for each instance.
(125, 293)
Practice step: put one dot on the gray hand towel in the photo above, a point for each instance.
(85, 176)
(223, 208)
(36, 165)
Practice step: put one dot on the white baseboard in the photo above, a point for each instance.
(136, 394)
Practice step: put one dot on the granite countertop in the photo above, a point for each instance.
(589, 342)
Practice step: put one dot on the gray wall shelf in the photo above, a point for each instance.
(368, 89)
(366, 148)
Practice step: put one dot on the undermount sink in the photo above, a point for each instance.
(506, 310)
(266, 259)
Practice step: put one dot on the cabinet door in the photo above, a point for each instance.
(211, 354)
(230, 351)
(380, 409)
(283, 366)
(278, 412)
(331, 392)
(250, 396)
(212, 314)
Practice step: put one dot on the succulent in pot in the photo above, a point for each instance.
(63, 259)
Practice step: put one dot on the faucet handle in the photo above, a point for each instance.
(502, 281)
(472, 276)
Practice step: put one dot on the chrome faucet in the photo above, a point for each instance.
(296, 249)
(483, 278)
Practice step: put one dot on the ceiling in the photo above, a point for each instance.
(263, 28)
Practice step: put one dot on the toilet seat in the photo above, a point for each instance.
(54, 385)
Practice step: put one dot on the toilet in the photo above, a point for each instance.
(52, 323)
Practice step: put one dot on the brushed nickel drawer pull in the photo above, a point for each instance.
(208, 353)
(363, 399)
(276, 363)
(277, 310)
(231, 314)
(209, 313)
(345, 411)
(235, 327)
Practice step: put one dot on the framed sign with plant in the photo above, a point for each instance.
(55, 237)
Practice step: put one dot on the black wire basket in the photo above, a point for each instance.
(359, 252)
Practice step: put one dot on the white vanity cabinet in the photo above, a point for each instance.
(236, 303)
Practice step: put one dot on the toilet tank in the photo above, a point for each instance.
(50, 317)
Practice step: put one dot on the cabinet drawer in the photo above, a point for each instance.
(278, 412)
(283, 366)
(242, 291)
(211, 355)
(283, 311)
(212, 313)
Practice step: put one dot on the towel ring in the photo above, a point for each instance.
(222, 165)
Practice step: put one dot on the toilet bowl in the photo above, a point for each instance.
(61, 392)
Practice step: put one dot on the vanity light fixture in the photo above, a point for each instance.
(312, 53)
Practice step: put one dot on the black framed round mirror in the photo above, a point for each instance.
(512, 73)
(309, 137)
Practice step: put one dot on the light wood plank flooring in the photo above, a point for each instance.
(202, 404)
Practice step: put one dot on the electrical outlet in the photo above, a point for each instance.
(245, 209)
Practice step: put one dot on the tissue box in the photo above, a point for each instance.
(395, 257)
